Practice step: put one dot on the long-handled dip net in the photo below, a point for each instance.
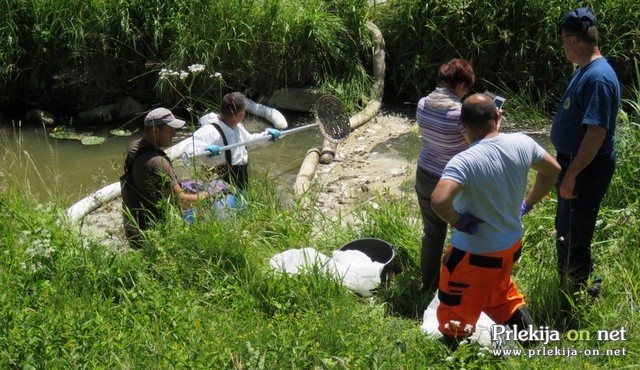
(333, 123)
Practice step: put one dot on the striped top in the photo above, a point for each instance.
(438, 117)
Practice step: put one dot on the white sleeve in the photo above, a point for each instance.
(246, 135)
(203, 137)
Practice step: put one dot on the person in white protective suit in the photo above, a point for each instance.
(225, 128)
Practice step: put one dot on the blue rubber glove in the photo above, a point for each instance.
(468, 224)
(213, 150)
(275, 133)
(525, 208)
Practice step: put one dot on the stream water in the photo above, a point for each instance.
(52, 168)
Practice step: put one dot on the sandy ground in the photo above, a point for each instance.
(377, 156)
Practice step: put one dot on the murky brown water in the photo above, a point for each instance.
(50, 168)
(65, 169)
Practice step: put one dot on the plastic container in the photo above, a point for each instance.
(376, 249)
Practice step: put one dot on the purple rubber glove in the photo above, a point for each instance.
(217, 187)
(190, 186)
(468, 223)
(525, 208)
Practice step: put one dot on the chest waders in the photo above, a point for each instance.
(237, 175)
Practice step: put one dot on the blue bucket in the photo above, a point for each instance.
(222, 208)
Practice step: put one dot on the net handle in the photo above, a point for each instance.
(328, 120)
(186, 158)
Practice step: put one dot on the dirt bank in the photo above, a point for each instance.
(379, 156)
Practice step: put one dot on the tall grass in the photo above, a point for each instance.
(512, 44)
(69, 55)
(625, 185)
(73, 55)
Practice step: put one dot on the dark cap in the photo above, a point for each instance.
(162, 116)
(581, 18)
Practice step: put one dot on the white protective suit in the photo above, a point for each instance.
(207, 135)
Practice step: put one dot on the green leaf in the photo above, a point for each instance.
(122, 132)
(92, 140)
(64, 132)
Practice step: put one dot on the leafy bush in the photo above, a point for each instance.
(513, 45)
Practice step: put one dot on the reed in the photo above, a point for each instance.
(68, 55)
(512, 44)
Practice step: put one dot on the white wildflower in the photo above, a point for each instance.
(449, 359)
(455, 323)
(166, 73)
(481, 354)
(216, 75)
(195, 68)
(447, 326)
(183, 75)
(468, 328)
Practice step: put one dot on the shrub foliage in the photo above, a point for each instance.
(66, 55)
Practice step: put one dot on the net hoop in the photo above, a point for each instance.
(333, 121)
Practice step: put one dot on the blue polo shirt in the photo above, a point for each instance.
(592, 98)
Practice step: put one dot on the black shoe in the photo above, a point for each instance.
(522, 319)
(594, 290)
(452, 343)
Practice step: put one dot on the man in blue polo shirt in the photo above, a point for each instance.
(583, 134)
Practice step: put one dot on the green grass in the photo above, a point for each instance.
(204, 296)
(67, 56)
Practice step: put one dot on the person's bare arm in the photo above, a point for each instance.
(442, 200)
(591, 142)
(187, 198)
(547, 173)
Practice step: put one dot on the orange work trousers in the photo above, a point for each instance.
(473, 283)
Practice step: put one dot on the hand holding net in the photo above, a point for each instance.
(333, 123)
